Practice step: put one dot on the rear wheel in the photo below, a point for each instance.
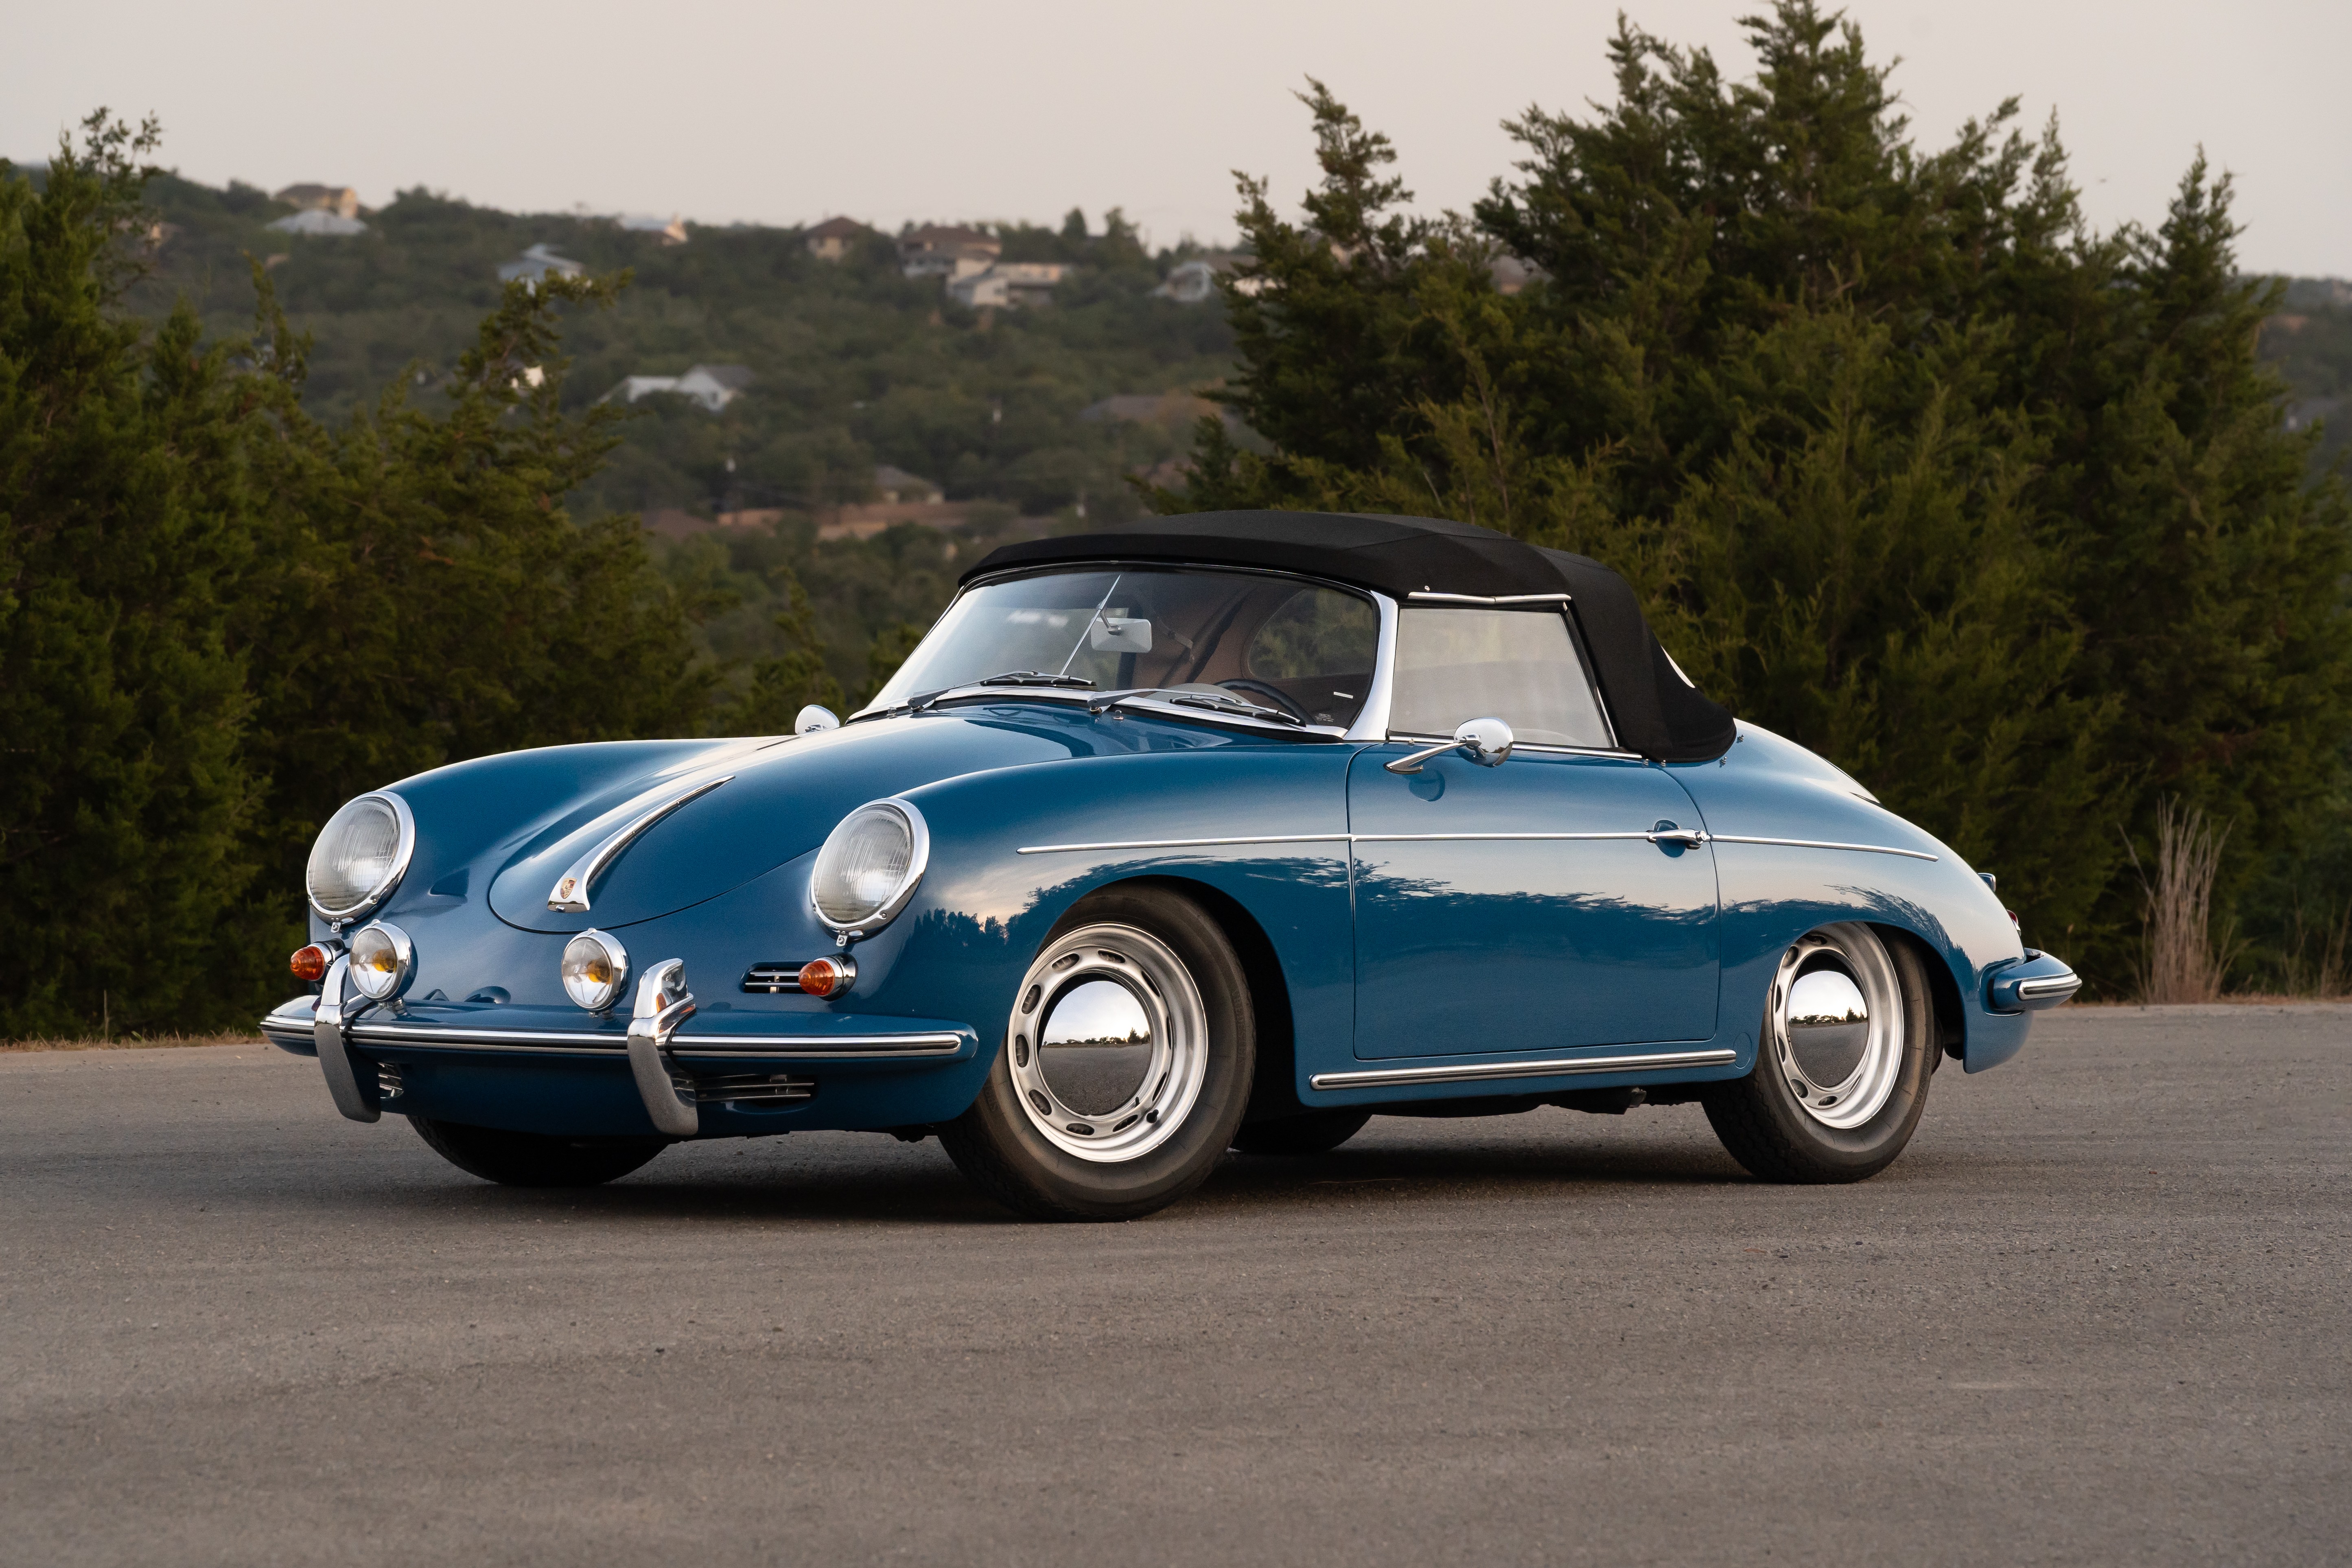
(1317, 1132)
(1125, 1064)
(534, 1159)
(1843, 1063)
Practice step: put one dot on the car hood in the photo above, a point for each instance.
(779, 800)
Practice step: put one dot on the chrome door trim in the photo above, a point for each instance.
(570, 894)
(1567, 1066)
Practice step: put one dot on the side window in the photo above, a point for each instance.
(1519, 666)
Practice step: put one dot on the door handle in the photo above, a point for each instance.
(1688, 837)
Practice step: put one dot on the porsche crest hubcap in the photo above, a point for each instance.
(1108, 1042)
(1836, 1021)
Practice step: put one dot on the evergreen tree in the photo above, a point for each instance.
(1996, 513)
(127, 797)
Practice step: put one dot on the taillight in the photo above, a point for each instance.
(309, 964)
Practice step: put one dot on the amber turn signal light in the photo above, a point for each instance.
(828, 976)
(309, 964)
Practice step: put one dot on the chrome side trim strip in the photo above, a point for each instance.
(571, 892)
(1561, 1067)
(1824, 844)
(1184, 842)
(1692, 837)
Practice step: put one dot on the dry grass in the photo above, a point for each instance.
(130, 1043)
(2182, 961)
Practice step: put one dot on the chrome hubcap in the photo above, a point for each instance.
(1108, 1042)
(1836, 1019)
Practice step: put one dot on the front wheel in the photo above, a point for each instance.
(1842, 1069)
(534, 1159)
(1125, 1064)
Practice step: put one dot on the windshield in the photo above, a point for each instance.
(1275, 642)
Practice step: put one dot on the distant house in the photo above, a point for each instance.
(714, 386)
(1194, 282)
(936, 252)
(1010, 283)
(340, 200)
(536, 263)
(835, 237)
(897, 486)
(1511, 274)
(318, 221)
(671, 229)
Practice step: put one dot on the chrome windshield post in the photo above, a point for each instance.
(663, 1004)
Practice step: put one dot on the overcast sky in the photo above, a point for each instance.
(719, 111)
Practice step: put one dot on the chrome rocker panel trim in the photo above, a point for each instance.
(1383, 1078)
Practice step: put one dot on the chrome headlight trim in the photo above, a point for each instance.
(602, 999)
(403, 850)
(919, 858)
(373, 982)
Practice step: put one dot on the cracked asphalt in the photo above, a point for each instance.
(2097, 1313)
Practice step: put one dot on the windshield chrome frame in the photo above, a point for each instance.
(1376, 699)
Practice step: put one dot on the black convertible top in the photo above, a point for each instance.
(1657, 712)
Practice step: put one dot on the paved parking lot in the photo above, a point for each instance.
(2097, 1314)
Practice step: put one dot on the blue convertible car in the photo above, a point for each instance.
(1231, 831)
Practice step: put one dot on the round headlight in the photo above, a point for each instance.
(360, 854)
(869, 866)
(384, 960)
(595, 967)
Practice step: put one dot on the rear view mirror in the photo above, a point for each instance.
(1119, 634)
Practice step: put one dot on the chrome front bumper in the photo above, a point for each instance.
(676, 1058)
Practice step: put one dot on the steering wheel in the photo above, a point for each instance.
(1273, 695)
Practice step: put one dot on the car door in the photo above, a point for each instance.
(1522, 906)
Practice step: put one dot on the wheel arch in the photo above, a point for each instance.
(1943, 990)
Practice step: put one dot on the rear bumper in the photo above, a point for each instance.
(2039, 981)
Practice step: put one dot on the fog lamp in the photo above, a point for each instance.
(595, 968)
(384, 960)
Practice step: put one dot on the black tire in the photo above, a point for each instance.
(998, 1143)
(1767, 1130)
(533, 1159)
(1317, 1132)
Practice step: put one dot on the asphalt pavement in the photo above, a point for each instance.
(2097, 1313)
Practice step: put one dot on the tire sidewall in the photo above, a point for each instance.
(1059, 1180)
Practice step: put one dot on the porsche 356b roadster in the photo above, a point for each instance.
(1231, 831)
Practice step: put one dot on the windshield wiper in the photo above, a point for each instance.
(1030, 678)
(1232, 705)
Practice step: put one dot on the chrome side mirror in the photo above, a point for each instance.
(814, 719)
(1486, 741)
